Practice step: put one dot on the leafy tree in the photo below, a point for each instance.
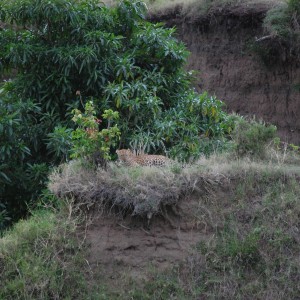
(21, 175)
(66, 53)
(131, 65)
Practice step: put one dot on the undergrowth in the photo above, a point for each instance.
(281, 42)
(42, 258)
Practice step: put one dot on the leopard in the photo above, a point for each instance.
(130, 159)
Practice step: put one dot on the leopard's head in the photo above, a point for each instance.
(123, 153)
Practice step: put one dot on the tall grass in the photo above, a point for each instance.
(41, 258)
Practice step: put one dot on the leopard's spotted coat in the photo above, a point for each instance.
(130, 159)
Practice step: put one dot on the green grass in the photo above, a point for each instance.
(41, 258)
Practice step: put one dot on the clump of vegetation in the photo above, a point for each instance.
(282, 23)
(65, 54)
(252, 138)
(143, 191)
(283, 20)
(22, 176)
(41, 258)
(86, 141)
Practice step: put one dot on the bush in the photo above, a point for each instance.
(251, 137)
(135, 69)
(22, 176)
(294, 7)
(67, 53)
(283, 23)
(87, 142)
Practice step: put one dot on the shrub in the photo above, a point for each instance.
(115, 58)
(87, 141)
(251, 137)
(130, 65)
(21, 175)
(282, 22)
(294, 7)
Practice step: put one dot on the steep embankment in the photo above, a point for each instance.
(220, 42)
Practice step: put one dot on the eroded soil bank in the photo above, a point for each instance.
(128, 248)
(220, 44)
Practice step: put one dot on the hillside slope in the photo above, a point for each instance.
(221, 43)
(224, 229)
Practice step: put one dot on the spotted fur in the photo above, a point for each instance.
(130, 159)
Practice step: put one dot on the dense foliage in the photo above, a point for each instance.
(252, 138)
(90, 143)
(283, 24)
(66, 53)
(22, 175)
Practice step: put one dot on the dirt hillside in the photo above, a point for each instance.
(220, 43)
(127, 248)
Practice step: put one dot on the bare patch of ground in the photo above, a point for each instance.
(118, 244)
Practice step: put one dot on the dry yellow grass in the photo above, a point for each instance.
(199, 5)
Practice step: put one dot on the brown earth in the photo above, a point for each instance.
(219, 43)
(129, 247)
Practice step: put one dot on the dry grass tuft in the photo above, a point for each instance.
(141, 190)
(196, 8)
(145, 190)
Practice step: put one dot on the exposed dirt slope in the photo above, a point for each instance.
(131, 244)
(219, 44)
(130, 247)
